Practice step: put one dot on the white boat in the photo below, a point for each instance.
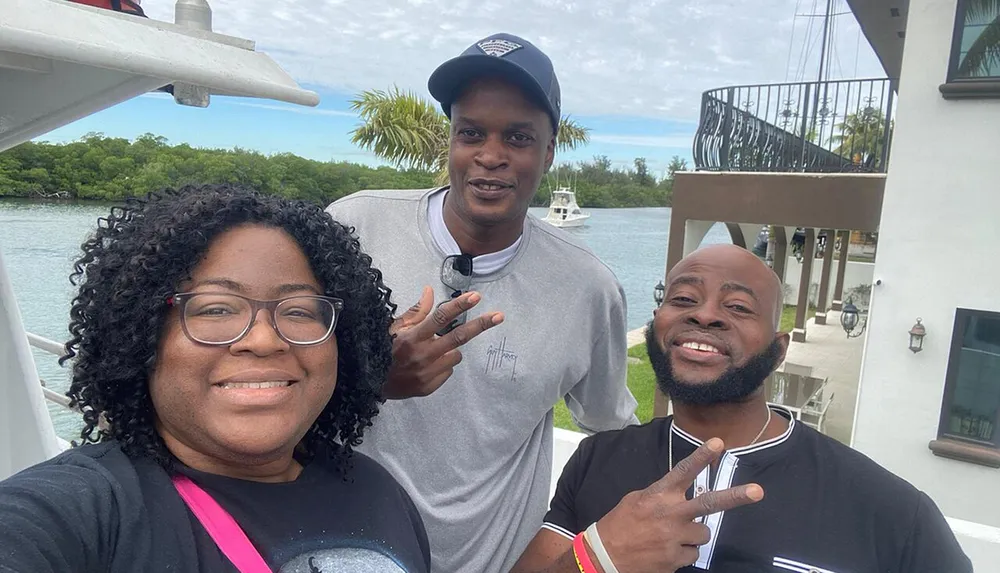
(61, 61)
(564, 211)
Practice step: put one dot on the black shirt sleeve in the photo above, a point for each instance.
(931, 546)
(562, 516)
(418, 527)
(57, 518)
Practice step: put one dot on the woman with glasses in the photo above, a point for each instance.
(228, 353)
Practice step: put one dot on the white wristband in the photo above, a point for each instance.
(598, 546)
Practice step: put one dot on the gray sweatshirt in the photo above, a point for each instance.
(476, 455)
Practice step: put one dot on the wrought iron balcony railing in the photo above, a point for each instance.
(832, 126)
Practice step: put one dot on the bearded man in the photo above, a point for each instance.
(828, 509)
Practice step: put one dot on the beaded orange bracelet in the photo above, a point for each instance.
(582, 557)
(578, 564)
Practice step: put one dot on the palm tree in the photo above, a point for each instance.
(861, 136)
(983, 57)
(400, 127)
(411, 132)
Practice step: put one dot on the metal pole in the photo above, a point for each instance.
(727, 129)
(826, 32)
(50, 346)
(197, 15)
(822, 61)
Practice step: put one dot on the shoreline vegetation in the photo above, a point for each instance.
(100, 168)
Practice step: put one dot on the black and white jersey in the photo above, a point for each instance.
(827, 508)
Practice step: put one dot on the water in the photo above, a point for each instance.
(633, 242)
(41, 240)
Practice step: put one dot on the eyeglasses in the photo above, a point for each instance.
(456, 274)
(221, 319)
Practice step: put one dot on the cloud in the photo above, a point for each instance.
(640, 58)
(682, 140)
(291, 108)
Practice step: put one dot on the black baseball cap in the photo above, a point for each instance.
(506, 55)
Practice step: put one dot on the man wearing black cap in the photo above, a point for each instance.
(476, 453)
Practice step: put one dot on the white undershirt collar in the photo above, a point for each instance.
(481, 265)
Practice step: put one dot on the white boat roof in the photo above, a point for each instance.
(61, 61)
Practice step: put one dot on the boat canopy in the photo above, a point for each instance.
(61, 61)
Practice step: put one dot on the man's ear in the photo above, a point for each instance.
(550, 153)
(783, 339)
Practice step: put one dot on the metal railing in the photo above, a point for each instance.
(824, 127)
(58, 350)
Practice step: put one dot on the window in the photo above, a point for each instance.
(970, 415)
(974, 67)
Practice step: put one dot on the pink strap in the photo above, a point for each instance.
(226, 533)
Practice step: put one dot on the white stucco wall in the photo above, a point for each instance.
(564, 443)
(937, 251)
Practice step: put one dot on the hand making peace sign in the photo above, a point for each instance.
(423, 361)
(655, 529)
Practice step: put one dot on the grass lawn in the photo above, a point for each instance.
(642, 382)
(788, 317)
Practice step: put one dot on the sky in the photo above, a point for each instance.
(632, 71)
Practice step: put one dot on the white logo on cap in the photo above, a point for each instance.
(498, 47)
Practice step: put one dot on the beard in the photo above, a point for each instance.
(736, 384)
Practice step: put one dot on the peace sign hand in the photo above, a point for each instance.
(655, 530)
(423, 361)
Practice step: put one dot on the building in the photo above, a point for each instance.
(912, 156)
(932, 416)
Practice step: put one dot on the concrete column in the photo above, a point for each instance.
(824, 280)
(675, 241)
(838, 289)
(780, 251)
(737, 236)
(685, 238)
(808, 254)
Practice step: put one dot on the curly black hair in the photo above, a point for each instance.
(144, 250)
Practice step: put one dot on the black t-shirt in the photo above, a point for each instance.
(827, 508)
(93, 509)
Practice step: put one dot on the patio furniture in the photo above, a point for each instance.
(800, 369)
(814, 417)
(793, 391)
